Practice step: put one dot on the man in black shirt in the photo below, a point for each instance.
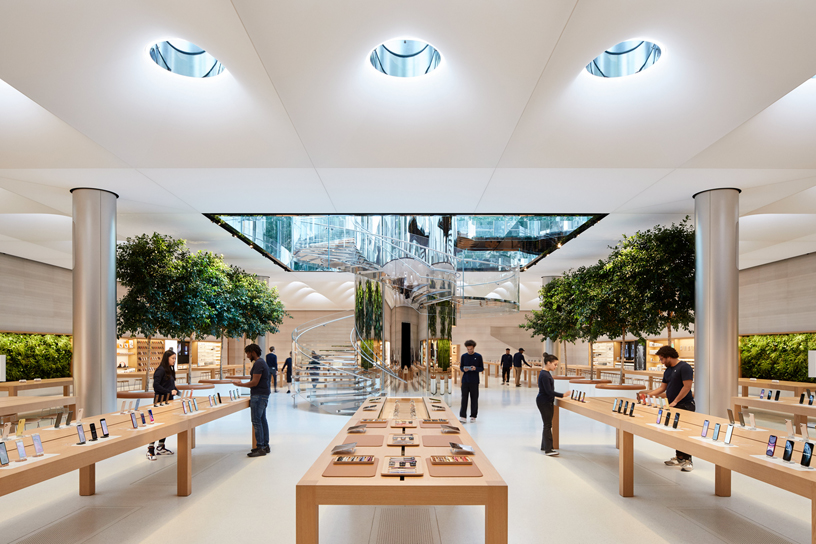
(272, 363)
(506, 365)
(677, 380)
(518, 358)
(287, 367)
(471, 364)
(258, 398)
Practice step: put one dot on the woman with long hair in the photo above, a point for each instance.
(546, 402)
(164, 383)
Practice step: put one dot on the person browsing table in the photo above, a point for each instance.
(676, 387)
(272, 363)
(545, 401)
(506, 365)
(518, 358)
(258, 399)
(471, 365)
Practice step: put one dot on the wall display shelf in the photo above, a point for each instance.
(209, 353)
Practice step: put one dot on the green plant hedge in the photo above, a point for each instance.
(30, 356)
(443, 354)
(777, 356)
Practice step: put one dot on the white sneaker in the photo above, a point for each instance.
(686, 466)
(462, 420)
(553, 453)
(473, 419)
(673, 462)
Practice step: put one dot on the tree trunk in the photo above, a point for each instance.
(566, 373)
(221, 359)
(591, 361)
(190, 361)
(243, 356)
(669, 330)
(623, 346)
(147, 372)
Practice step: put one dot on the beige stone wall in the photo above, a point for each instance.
(34, 297)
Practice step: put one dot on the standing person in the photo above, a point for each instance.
(287, 366)
(518, 358)
(164, 383)
(272, 363)
(258, 399)
(677, 380)
(471, 364)
(506, 365)
(546, 402)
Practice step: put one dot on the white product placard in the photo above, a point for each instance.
(719, 443)
(145, 428)
(786, 464)
(668, 428)
(94, 442)
(2, 368)
(12, 465)
(811, 364)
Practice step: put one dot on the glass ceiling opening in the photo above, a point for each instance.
(482, 242)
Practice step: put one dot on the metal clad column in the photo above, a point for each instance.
(94, 277)
(716, 305)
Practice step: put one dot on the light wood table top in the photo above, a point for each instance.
(13, 387)
(15, 405)
(797, 387)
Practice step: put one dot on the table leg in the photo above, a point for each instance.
(307, 525)
(626, 464)
(722, 481)
(66, 390)
(87, 480)
(744, 390)
(555, 427)
(487, 379)
(12, 392)
(797, 422)
(184, 465)
(496, 515)
(192, 438)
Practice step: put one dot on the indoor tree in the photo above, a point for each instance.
(555, 319)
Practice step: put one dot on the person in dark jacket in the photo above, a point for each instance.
(471, 365)
(506, 365)
(287, 366)
(518, 358)
(164, 383)
(546, 402)
(272, 363)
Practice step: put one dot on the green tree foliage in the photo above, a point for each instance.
(443, 354)
(777, 356)
(30, 356)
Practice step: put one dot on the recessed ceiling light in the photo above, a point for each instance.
(625, 59)
(405, 58)
(185, 59)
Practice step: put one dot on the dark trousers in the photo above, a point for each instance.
(547, 410)
(274, 374)
(470, 390)
(691, 407)
(506, 373)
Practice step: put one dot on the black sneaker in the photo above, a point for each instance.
(267, 449)
(256, 453)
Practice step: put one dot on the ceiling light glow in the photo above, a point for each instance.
(625, 59)
(405, 58)
(185, 59)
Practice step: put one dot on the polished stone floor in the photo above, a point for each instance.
(573, 498)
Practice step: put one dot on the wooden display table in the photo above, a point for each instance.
(170, 420)
(13, 387)
(135, 394)
(10, 406)
(785, 405)
(797, 387)
(725, 459)
(488, 489)
(194, 386)
(617, 387)
(590, 382)
(216, 382)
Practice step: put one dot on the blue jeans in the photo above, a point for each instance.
(257, 411)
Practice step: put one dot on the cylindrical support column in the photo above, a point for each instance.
(94, 304)
(716, 304)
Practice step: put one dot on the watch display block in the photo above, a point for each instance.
(409, 439)
(403, 466)
(403, 423)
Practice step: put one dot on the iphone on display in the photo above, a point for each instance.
(788, 451)
(58, 421)
(615, 406)
(668, 418)
(776, 396)
(771, 446)
(625, 407)
(762, 394)
(133, 420)
(659, 416)
(144, 421)
(728, 432)
(68, 418)
(104, 425)
(150, 414)
(22, 454)
(802, 398)
(770, 392)
(4, 458)
(789, 427)
(6, 430)
(804, 428)
(20, 428)
(184, 406)
(741, 419)
(38, 448)
(195, 404)
(730, 416)
(807, 452)
(810, 400)
(80, 433)
(676, 420)
(632, 410)
(715, 434)
(705, 429)
(92, 427)
(752, 419)
(219, 398)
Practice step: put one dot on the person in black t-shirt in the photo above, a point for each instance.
(258, 399)
(287, 367)
(545, 401)
(677, 381)
(471, 364)
(518, 359)
(272, 363)
(506, 365)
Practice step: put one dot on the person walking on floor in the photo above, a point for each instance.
(506, 365)
(471, 365)
(546, 402)
(287, 366)
(676, 387)
(164, 383)
(272, 363)
(258, 399)
(518, 358)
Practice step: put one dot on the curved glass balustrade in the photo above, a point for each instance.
(186, 59)
(625, 59)
(405, 58)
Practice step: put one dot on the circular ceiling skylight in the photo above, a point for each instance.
(405, 58)
(185, 59)
(626, 58)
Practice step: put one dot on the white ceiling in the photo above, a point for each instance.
(509, 123)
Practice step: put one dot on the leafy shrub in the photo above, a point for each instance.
(30, 356)
(777, 356)
(443, 354)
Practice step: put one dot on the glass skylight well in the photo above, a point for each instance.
(625, 59)
(405, 58)
(185, 59)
